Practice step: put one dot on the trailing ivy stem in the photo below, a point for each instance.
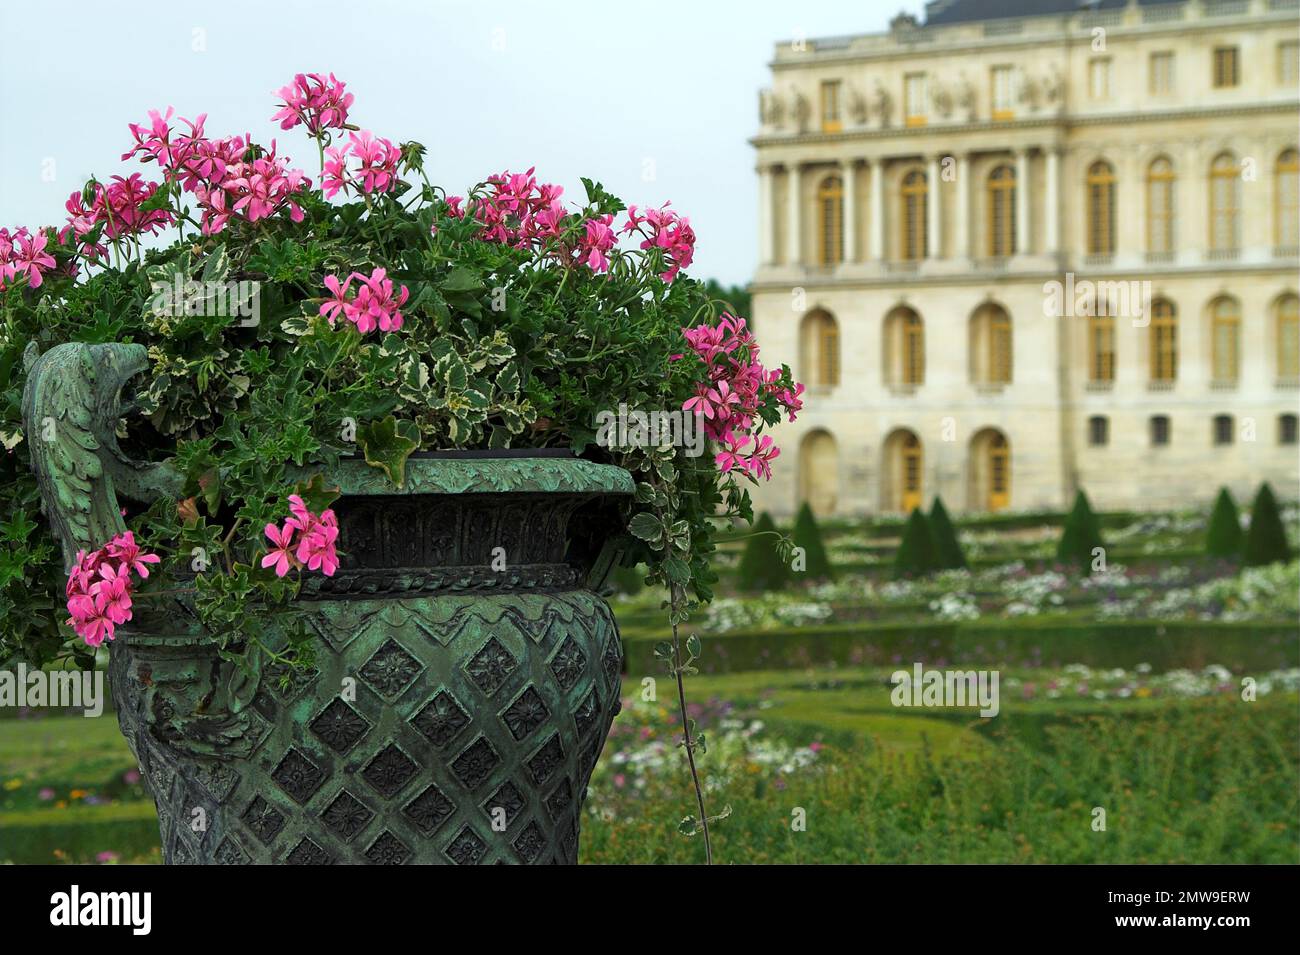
(690, 744)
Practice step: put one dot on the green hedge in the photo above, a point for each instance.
(1192, 644)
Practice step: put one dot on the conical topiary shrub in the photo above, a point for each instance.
(808, 535)
(1081, 535)
(915, 555)
(761, 567)
(1266, 537)
(947, 549)
(1223, 537)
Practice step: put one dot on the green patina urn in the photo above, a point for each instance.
(464, 680)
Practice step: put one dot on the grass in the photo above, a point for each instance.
(1204, 780)
(1199, 780)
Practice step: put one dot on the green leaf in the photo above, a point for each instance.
(217, 266)
(315, 494)
(693, 645)
(387, 444)
(461, 280)
(646, 526)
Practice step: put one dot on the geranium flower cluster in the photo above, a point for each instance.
(664, 229)
(306, 540)
(228, 177)
(516, 210)
(313, 100)
(23, 255)
(364, 163)
(374, 305)
(120, 207)
(100, 587)
(735, 392)
(520, 212)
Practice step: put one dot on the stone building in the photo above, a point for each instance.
(1027, 247)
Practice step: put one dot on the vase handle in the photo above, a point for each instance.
(71, 406)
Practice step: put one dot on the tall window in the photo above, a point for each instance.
(1288, 338)
(1002, 211)
(1160, 206)
(1000, 93)
(991, 346)
(1287, 429)
(1288, 62)
(1161, 73)
(830, 104)
(1225, 203)
(1287, 178)
(1225, 67)
(1225, 340)
(1164, 341)
(1221, 429)
(1098, 431)
(1101, 208)
(1101, 347)
(820, 349)
(904, 351)
(913, 350)
(914, 215)
(830, 224)
(1159, 430)
(1099, 78)
(915, 90)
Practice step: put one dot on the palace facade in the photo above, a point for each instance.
(1016, 255)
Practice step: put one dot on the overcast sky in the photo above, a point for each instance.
(617, 91)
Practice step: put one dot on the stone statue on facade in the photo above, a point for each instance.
(882, 105)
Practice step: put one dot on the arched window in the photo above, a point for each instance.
(904, 351)
(1101, 346)
(1225, 203)
(914, 197)
(1225, 340)
(990, 345)
(902, 479)
(820, 349)
(1164, 341)
(1287, 176)
(830, 220)
(1002, 211)
(819, 472)
(989, 471)
(1160, 206)
(1101, 208)
(1288, 338)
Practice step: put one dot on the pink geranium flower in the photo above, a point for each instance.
(316, 101)
(316, 549)
(281, 555)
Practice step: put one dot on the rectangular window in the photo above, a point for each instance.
(1287, 427)
(915, 90)
(1162, 73)
(1002, 96)
(830, 104)
(1098, 431)
(1225, 67)
(1223, 429)
(1159, 430)
(1099, 78)
(1288, 63)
